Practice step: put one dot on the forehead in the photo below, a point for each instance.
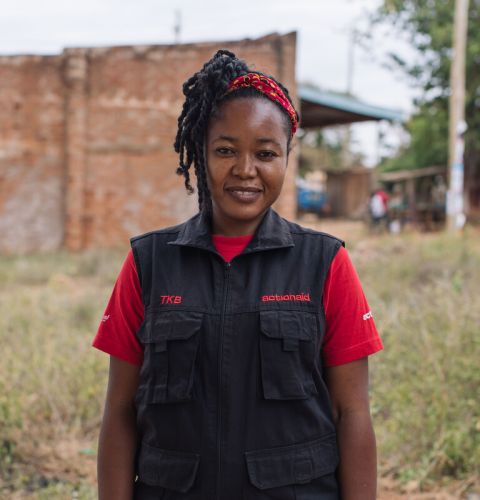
(245, 114)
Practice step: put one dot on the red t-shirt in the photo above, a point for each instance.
(350, 330)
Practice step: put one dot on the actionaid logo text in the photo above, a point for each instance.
(299, 297)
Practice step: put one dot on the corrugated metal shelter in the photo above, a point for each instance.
(320, 108)
(347, 190)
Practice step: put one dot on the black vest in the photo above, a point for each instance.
(232, 402)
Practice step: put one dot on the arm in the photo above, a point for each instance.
(348, 386)
(117, 442)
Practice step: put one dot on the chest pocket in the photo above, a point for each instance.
(171, 342)
(287, 354)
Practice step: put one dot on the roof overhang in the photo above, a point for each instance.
(322, 109)
(405, 175)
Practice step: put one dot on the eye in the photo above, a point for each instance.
(267, 155)
(224, 151)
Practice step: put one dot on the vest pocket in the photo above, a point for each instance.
(171, 342)
(173, 470)
(287, 354)
(305, 470)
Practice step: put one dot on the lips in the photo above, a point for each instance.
(244, 194)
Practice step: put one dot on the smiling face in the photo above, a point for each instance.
(246, 152)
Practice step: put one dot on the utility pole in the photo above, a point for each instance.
(177, 28)
(457, 124)
(351, 59)
(347, 141)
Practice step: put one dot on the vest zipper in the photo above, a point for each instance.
(226, 276)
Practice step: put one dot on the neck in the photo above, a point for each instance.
(225, 226)
(227, 230)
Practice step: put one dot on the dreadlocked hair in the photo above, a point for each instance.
(204, 92)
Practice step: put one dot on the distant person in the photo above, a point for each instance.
(378, 209)
(238, 340)
(384, 197)
(439, 200)
(396, 208)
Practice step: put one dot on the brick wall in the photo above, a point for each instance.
(90, 161)
(32, 124)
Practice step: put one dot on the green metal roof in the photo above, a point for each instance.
(320, 108)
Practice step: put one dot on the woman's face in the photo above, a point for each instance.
(246, 149)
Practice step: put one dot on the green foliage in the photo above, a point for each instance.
(59, 490)
(428, 130)
(327, 150)
(428, 26)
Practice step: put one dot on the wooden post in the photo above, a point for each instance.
(457, 125)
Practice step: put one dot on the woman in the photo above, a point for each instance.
(238, 340)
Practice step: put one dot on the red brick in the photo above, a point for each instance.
(86, 150)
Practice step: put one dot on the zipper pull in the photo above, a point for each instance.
(228, 265)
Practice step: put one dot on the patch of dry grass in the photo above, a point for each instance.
(423, 290)
(51, 382)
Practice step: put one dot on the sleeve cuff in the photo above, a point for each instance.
(353, 353)
(134, 360)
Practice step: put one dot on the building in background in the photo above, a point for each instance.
(86, 144)
(418, 196)
(347, 189)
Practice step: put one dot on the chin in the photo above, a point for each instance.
(247, 212)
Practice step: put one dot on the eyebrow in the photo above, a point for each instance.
(225, 138)
(261, 140)
(266, 140)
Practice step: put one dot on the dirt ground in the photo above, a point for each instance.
(348, 230)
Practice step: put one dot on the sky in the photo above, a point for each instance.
(324, 30)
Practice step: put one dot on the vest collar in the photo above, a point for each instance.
(273, 232)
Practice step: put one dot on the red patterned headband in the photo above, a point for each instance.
(268, 87)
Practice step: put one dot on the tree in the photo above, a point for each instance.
(427, 25)
(327, 149)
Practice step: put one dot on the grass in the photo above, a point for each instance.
(426, 384)
(425, 295)
(51, 382)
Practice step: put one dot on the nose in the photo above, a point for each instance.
(245, 167)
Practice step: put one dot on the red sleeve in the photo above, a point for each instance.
(351, 333)
(123, 316)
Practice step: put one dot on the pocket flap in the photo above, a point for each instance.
(174, 470)
(296, 325)
(170, 325)
(293, 464)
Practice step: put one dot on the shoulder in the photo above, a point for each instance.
(311, 234)
(166, 233)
